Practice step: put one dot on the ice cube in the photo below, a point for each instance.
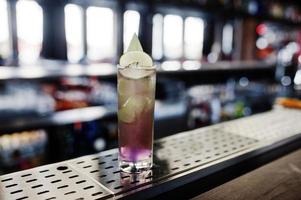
(122, 99)
(132, 108)
(126, 115)
(126, 87)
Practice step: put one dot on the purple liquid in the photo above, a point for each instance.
(136, 138)
(136, 99)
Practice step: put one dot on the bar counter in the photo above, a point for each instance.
(258, 184)
(186, 164)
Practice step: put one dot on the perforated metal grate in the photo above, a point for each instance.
(173, 155)
(57, 181)
(98, 176)
(268, 127)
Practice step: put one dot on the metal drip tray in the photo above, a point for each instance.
(98, 177)
(57, 181)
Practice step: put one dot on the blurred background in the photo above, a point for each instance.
(217, 60)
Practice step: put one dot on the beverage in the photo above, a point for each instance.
(136, 100)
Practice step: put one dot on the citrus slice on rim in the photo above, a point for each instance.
(136, 57)
(134, 73)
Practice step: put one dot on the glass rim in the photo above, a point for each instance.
(138, 67)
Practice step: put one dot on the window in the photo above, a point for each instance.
(173, 36)
(131, 26)
(193, 38)
(29, 30)
(157, 51)
(4, 33)
(100, 34)
(74, 32)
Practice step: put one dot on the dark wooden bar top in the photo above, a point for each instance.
(280, 179)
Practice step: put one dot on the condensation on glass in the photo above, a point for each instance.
(29, 30)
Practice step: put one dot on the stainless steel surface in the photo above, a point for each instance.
(175, 156)
(57, 181)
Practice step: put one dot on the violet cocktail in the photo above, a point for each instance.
(136, 100)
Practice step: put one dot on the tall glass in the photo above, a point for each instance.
(136, 100)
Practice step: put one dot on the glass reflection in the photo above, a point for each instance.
(171, 65)
(191, 65)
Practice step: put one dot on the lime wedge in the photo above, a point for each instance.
(136, 57)
(134, 60)
(135, 44)
(133, 73)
